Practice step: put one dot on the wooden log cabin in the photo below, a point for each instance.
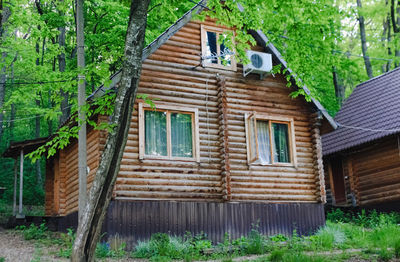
(219, 153)
(362, 156)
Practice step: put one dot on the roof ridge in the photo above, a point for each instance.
(379, 76)
(343, 108)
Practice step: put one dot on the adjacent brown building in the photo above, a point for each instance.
(219, 152)
(362, 156)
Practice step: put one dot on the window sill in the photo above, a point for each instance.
(180, 159)
(218, 66)
(274, 165)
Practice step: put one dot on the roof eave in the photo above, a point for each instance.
(279, 57)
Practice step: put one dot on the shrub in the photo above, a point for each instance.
(329, 236)
(384, 254)
(337, 216)
(67, 241)
(276, 255)
(397, 248)
(34, 232)
(255, 242)
(163, 246)
(145, 250)
(102, 250)
(115, 248)
(278, 238)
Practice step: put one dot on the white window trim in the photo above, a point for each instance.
(218, 30)
(174, 108)
(272, 118)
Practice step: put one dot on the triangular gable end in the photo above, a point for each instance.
(260, 37)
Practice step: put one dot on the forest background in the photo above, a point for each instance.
(332, 45)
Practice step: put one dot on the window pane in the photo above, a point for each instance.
(264, 147)
(181, 135)
(155, 133)
(226, 54)
(280, 140)
(211, 47)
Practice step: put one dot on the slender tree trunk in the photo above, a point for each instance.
(12, 119)
(367, 61)
(49, 121)
(385, 39)
(2, 91)
(89, 227)
(37, 135)
(61, 67)
(339, 87)
(389, 39)
(82, 156)
(4, 15)
(13, 110)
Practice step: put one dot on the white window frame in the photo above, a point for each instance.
(253, 158)
(170, 108)
(218, 31)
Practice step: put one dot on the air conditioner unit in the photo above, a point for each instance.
(260, 63)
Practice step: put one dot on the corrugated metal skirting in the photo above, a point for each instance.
(138, 220)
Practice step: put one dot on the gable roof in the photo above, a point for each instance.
(258, 35)
(371, 112)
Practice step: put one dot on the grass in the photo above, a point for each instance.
(6, 210)
(368, 236)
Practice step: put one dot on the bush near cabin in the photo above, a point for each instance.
(365, 236)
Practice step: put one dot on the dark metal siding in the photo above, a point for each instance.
(138, 220)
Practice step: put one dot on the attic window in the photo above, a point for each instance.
(270, 140)
(214, 51)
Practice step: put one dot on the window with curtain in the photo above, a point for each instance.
(214, 50)
(269, 140)
(167, 133)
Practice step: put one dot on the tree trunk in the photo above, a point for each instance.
(50, 121)
(2, 91)
(339, 87)
(4, 15)
(61, 67)
(89, 227)
(37, 135)
(395, 23)
(389, 39)
(12, 119)
(367, 62)
(82, 155)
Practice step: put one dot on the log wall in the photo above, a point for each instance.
(62, 183)
(173, 74)
(373, 172)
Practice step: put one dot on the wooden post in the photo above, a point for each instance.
(15, 187)
(21, 184)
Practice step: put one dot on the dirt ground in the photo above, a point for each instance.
(14, 248)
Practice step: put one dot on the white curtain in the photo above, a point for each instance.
(264, 147)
